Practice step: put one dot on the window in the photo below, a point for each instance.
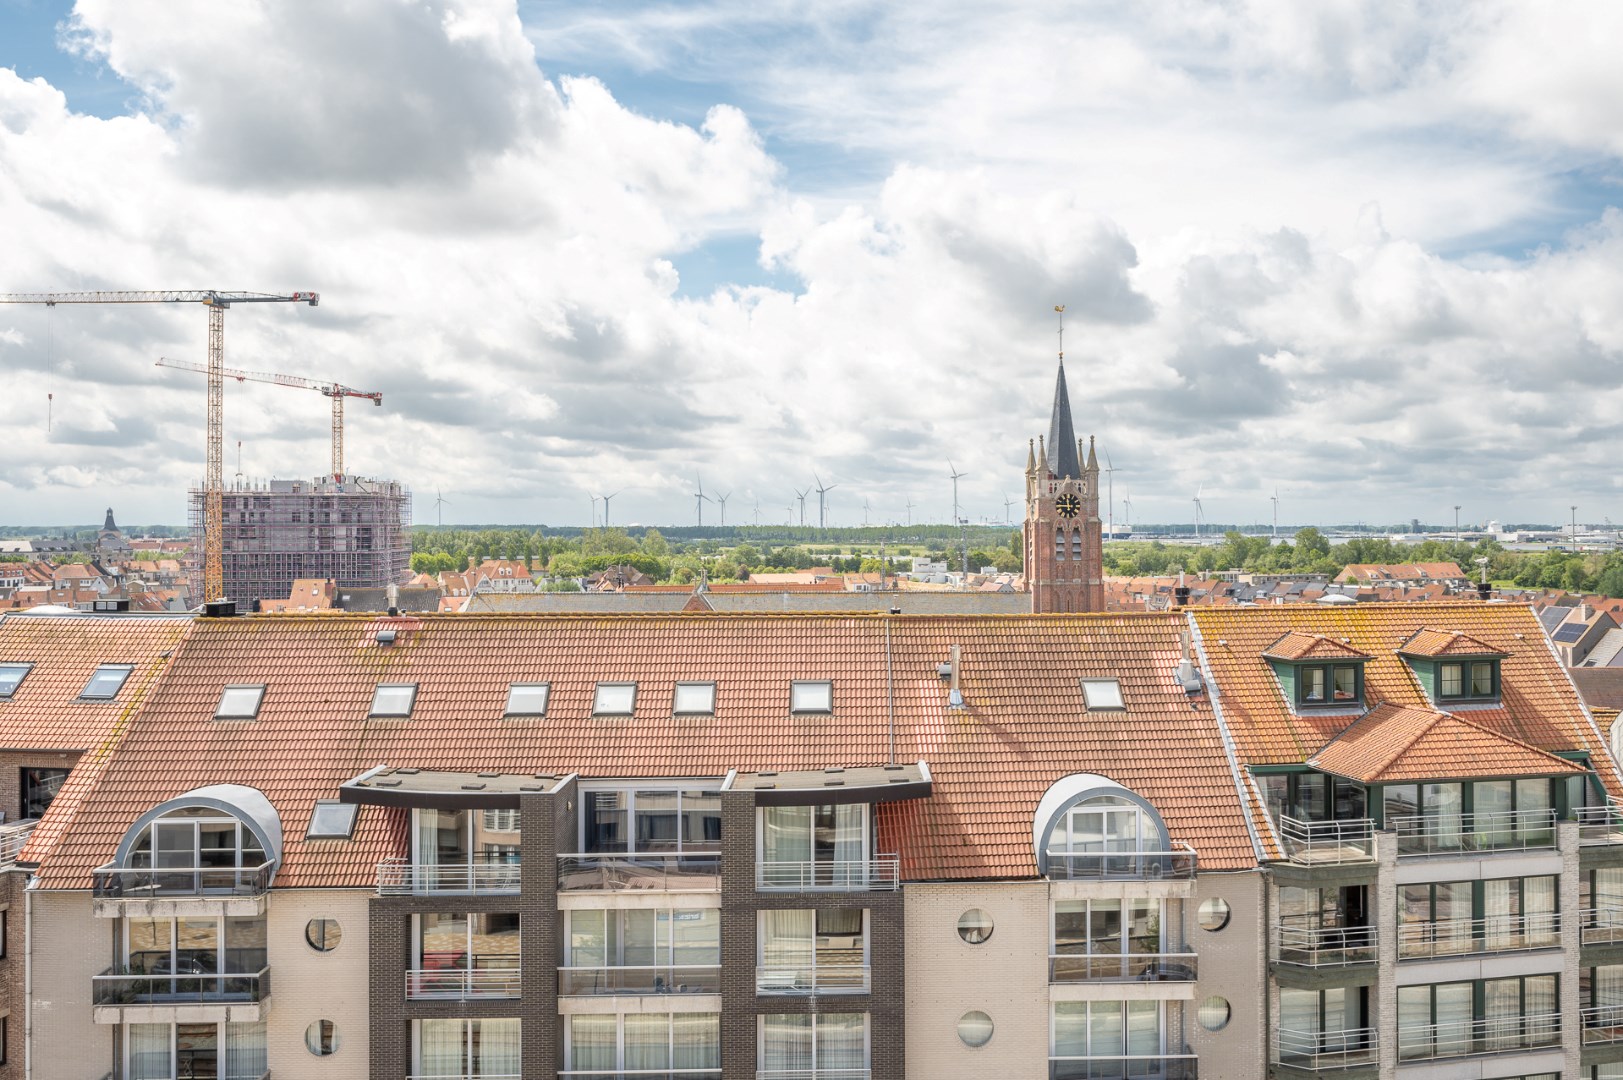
(1329, 684)
(39, 787)
(1486, 1016)
(1213, 914)
(975, 1029)
(527, 699)
(239, 702)
(670, 820)
(694, 698)
(1106, 1029)
(641, 951)
(332, 820)
(1105, 823)
(1468, 679)
(461, 955)
(105, 684)
(455, 851)
(809, 847)
(321, 1038)
(802, 1044)
(1453, 680)
(323, 935)
(501, 821)
(11, 677)
(1452, 918)
(194, 1050)
(1323, 1021)
(180, 958)
(208, 850)
(634, 1043)
(1102, 694)
(812, 952)
(1214, 1013)
(811, 697)
(393, 699)
(975, 926)
(614, 699)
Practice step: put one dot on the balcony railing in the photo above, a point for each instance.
(639, 1074)
(658, 979)
(1327, 843)
(1599, 825)
(1602, 1024)
(470, 1076)
(1455, 1038)
(1326, 946)
(1125, 865)
(1133, 1067)
(1496, 933)
(111, 882)
(1453, 834)
(1320, 1050)
(1133, 967)
(461, 984)
(810, 1074)
(814, 979)
(1601, 926)
(597, 872)
(878, 874)
(404, 877)
(13, 838)
(119, 987)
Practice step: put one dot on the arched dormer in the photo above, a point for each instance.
(1090, 826)
(217, 831)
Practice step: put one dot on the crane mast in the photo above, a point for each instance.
(217, 301)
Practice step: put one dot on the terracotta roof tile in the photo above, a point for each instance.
(1299, 646)
(1394, 744)
(1433, 643)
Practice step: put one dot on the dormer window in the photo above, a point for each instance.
(1454, 668)
(1329, 684)
(1315, 671)
(1473, 680)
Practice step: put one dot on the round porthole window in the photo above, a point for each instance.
(321, 1038)
(1213, 914)
(975, 926)
(1214, 1013)
(323, 934)
(975, 1028)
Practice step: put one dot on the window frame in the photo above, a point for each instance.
(22, 670)
(354, 809)
(598, 708)
(620, 1040)
(628, 793)
(811, 710)
(259, 701)
(411, 702)
(1467, 668)
(25, 784)
(86, 695)
(677, 708)
(546, 699)
(1326, 671)
(1114, 684)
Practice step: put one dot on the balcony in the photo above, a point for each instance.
(817, 979)
(1602, 1024)
(808, 1074)
(624, 1074)
(1601, 926)
(402, 877)
(1133, 967)
(1319, 1051)
(13, 838)
(657, 979)
(477, 1076)
(462, 984)
(1465, 937)
(1460, 834)
(1457, 1038)
(1326, 946)
(120, 997)
(1144, 1067)
(594, 872)
(878, 874)
(1327, 843)
(109, 882)
(1599, 825)
(1121, 865)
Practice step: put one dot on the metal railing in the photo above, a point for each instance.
(1326, 946)
(1339, 1049)
(117, 986)
(1602, 1024)
(1452, 834)
(1496, 933)
(639, 1074)
(1131, 865)
(13, 838)
(1136, 1067)
(402, 876)
(460, 984)
(1116, 967)
(1600, 926)
(814, 979)
(878, 874)
(1327, 843)
(111, 882)
(1599, 824)
(810, 1074)
(473, 1076)
(1488, 1035)
(214, 1067)
(598, 872)
(656, 979)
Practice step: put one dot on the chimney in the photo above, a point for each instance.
(1180, 595)
(1188, 673)
(220, 609)
(955, 696)
(1483, 590)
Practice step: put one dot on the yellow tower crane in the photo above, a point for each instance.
(217, 301)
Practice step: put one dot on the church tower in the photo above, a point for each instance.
(1064, 558)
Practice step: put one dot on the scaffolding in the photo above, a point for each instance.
(355, 531)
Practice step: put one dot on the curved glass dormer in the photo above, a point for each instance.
(1090, 827)
(224, 840)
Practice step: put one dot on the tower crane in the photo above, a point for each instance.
(336, 391)
(216, 301)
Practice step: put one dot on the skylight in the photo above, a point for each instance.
(105, 684)
(614, 699)
(393, 699)
(332, 820)
(239, 702)
(811, 697)
(527, 699)
(694, 698)
(1102, 695)
(11, 677)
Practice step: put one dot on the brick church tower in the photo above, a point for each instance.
(1064, 560)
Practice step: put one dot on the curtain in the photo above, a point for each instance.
(1106, 1031)
(1454, 1016)
(786, 1043)
(1070, 1029)
(427, 849)
(1501, 1014)
(787, 834)
(1143, 1028)
(1493, 801)
(244, 1051)
(589, 941)
(1533, 805)
(1442, 806)
(1502, 929)
(439, 1047)
(1538, 908)
(850, 843)
(498, 1048)
(696, 937)
(1539, 1003)
(696, 1040)
(787, 947)
(647, 1041)
(842, 1041)
(591, 1042)
(641, 942)
(1414, 1021)
(149, 1051)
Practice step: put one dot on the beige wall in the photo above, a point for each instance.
(70, 946)
(307, 985)
(1233, 966)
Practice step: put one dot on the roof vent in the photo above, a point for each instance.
(1189, 676)
(220, 609)
(955, 697)
(386, 636)
(116, 604)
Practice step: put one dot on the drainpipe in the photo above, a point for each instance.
(28, 983)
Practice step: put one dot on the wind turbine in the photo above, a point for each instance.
(757, 513)
(439, 513)
(1198, 490)
(865, 511)
(589, 495)
(801, 495)
(1110, 488)
(1127, 504)
(722, 499)
(955, 477)
(606, 499)
(1275, 499)
(1007, 504)
(700, 498)
(910, 511)
(822, 504)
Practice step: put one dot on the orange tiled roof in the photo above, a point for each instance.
(1024, 726)
(1299, 646)
(1432, 643)
(1393, 743)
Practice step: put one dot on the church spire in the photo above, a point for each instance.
(1061, 433)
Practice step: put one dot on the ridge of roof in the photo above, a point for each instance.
(1428, 642)
(1296, 645)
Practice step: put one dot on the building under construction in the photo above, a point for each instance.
(351, 529)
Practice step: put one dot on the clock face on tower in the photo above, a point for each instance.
(1068, 505)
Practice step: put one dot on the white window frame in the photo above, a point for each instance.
(467, 1038)
(600, 708)
(669, 950)
(1161, 1024)
(620, 1041)
(411, 701)
(867, 1037)
(546, 699)
(1089, 901)
(1107, 688)
(219, 1037)
(239, 712)
(867, 945)
(709, 708)
(799, 687)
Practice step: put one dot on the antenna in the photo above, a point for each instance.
(721, 498)
(1060, 308)
(239, 462)
(955, 477)
(700, 498)
(606, 499)
(822, 504)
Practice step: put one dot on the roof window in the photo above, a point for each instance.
(527, 699)
(332, 820)
(614, 699)
(810, 697)
(239, 702)
(393, 699)
(694, 699)
(11, 677)
(1103, 695)
(105, 684)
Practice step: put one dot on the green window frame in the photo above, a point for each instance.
(1338, 685)
(1468, 680)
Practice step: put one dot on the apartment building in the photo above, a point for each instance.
(1224, 843)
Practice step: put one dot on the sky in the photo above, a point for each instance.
(1364, 255)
